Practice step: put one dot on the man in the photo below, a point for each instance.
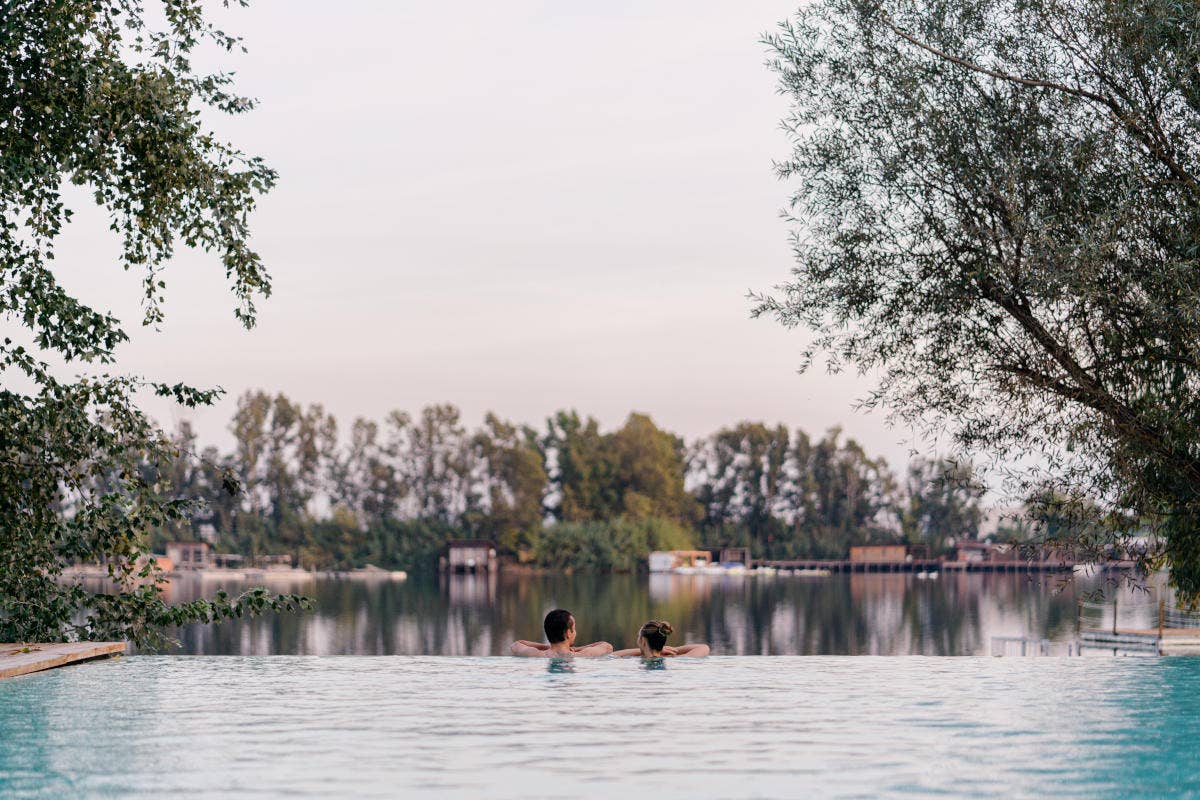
(560, 632)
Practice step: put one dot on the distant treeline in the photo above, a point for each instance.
(568, 495)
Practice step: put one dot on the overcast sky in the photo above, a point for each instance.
(516, 206)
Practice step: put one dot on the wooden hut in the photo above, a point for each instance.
(469, 555)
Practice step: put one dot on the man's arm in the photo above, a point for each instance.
(633, 651)
(523, 648)
(594, 649)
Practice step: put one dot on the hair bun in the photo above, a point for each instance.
(666, 628)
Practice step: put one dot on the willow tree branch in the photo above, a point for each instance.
(1159, 149)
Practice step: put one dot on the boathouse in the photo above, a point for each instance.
(969, 551)
(734, 555)
(886, 553)
(469, 555)
(189, 555)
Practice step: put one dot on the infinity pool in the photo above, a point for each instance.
(505, 727)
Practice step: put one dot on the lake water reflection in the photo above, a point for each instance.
(874, 614)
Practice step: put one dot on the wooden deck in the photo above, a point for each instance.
(917, 565)
(21, 659)
(1164, 642)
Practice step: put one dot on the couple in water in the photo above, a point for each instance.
(560, 633)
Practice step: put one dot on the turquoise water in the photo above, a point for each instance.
(505, 727)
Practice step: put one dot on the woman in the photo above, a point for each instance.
(652, 643)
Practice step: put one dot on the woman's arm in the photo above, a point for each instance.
(692, 650)
(634, 651)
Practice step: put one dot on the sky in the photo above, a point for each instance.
(513, 207)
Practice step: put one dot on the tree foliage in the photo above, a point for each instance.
(514, 477)
(577, 497)
(635, 472)
(93, 95)
(997, 213)
(788, 497)
(942, 503)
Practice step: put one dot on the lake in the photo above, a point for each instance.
(469, 615)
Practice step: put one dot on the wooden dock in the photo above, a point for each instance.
(918, 565)
(1153, 641)
(21, 659)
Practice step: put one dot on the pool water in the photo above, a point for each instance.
(507, 727)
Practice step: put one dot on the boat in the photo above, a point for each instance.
(679, 562)
(372, 572)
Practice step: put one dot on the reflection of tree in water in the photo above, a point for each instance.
(481, 615)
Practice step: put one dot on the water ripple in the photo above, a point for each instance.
(723, 726)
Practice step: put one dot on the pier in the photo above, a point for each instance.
(21, 659)
(1157, 628)
(1150, 641)
(922, 565)
(969, 556)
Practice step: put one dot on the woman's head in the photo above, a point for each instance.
(654, 634)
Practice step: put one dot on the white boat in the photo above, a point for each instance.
(679, 562)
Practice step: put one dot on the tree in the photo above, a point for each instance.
(740, 477)
(997, 213)
(366, 480)
(93, 95)
(284, 454)
(582, 486)
(840, 498)
(941, 503)
(635, 472)
(514, 482)
(648, 473)
(436, 463)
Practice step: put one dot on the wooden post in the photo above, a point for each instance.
(1114, 613)
(1162, 613)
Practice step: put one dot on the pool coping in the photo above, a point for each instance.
(22, 658)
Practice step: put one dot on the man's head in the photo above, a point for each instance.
(559, 626)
